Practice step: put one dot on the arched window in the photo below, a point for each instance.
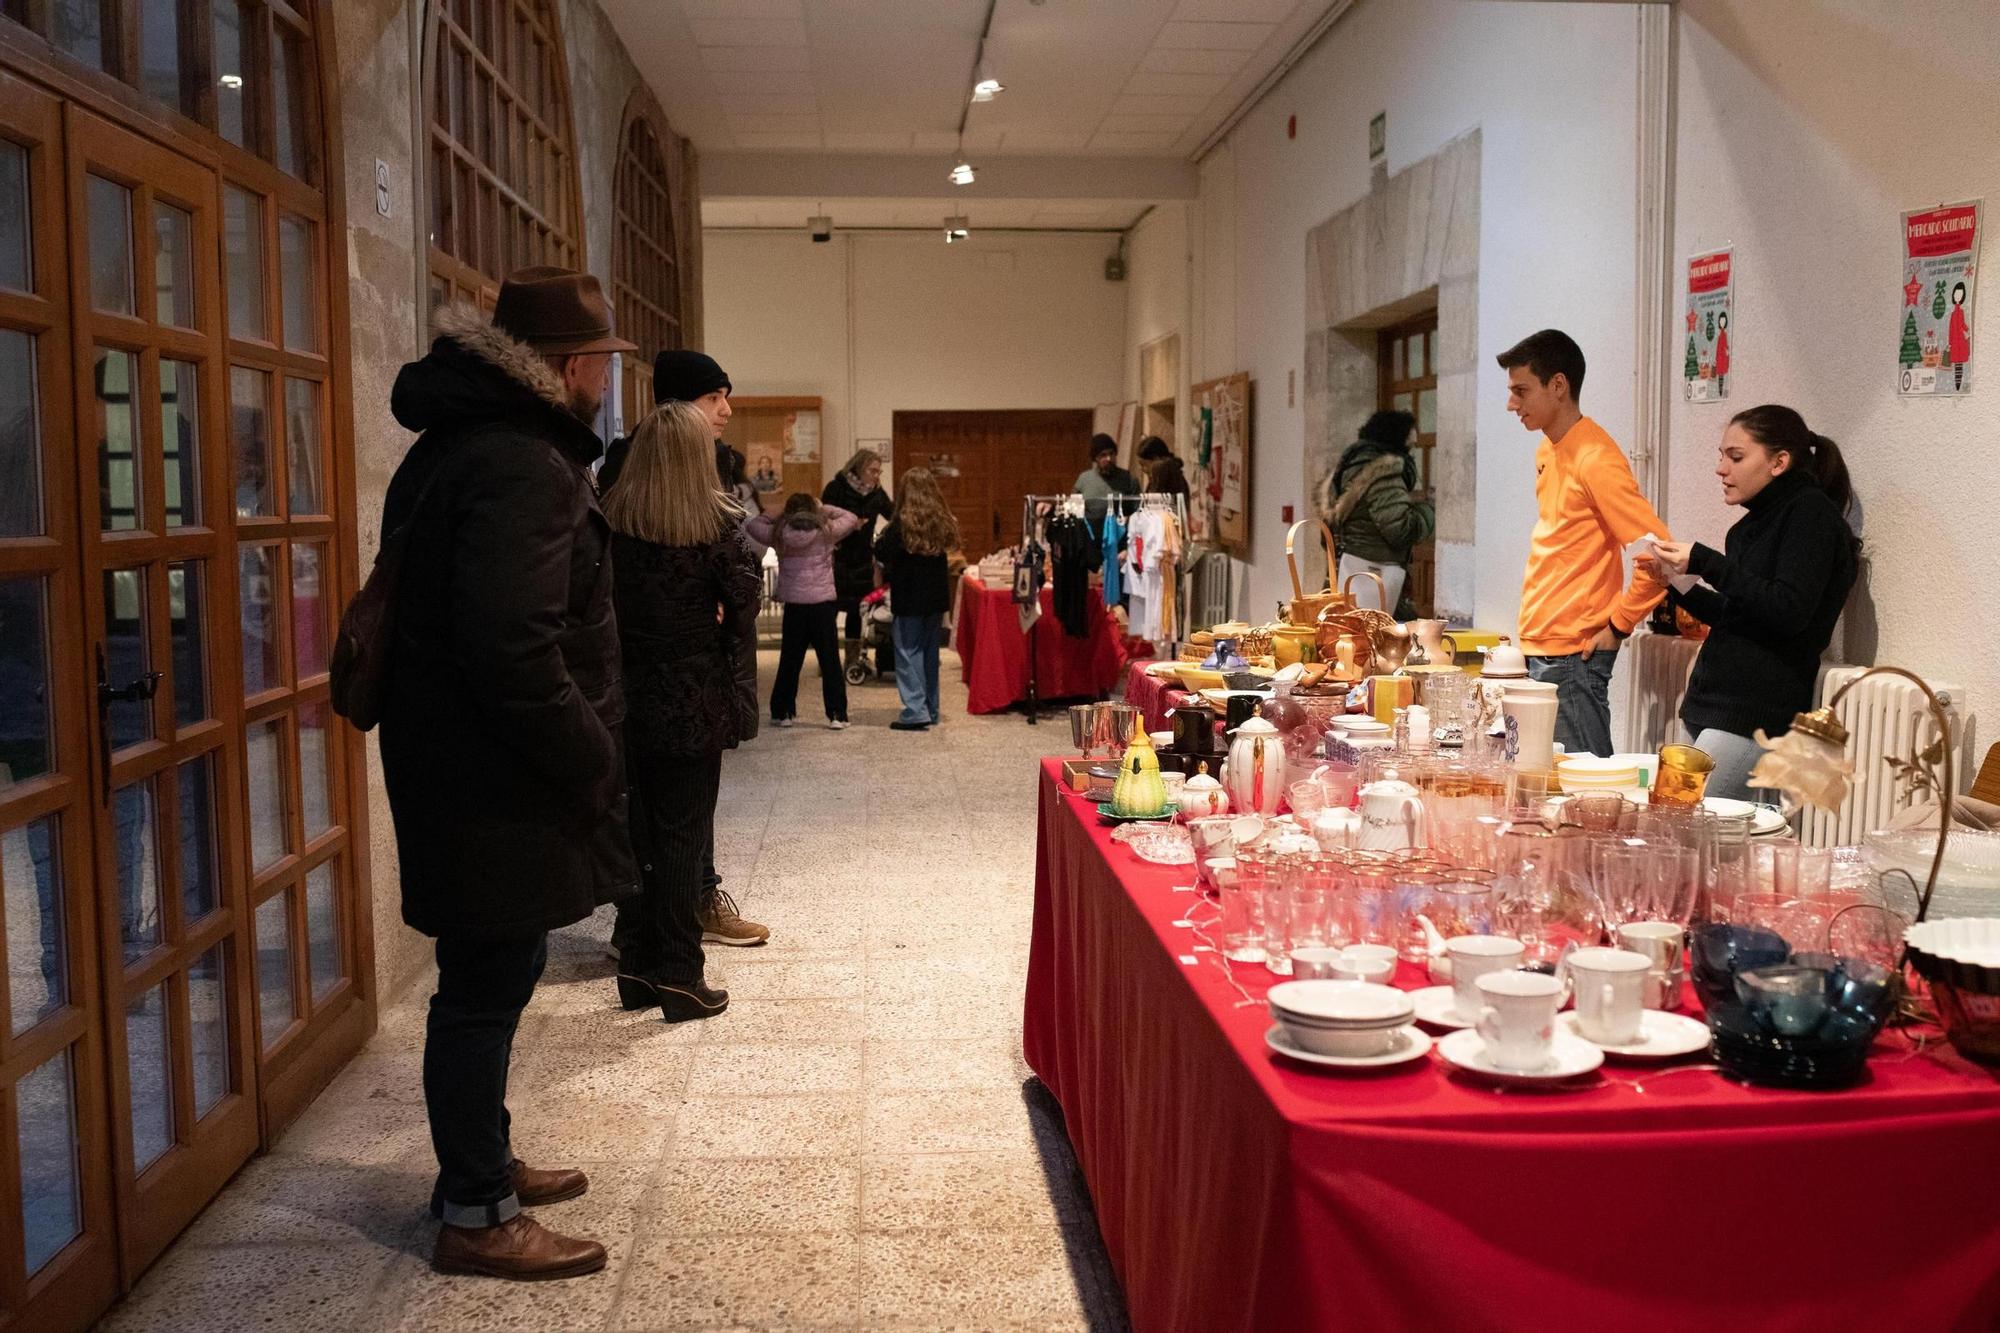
(503, 176)
(646, 271)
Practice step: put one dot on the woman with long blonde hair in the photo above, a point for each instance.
(913, 552)
(687, 586)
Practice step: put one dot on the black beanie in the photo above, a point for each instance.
(683, 376)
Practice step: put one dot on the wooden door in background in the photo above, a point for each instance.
(986, 461)
(1406, 357)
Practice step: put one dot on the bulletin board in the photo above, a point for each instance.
(1218, 447)
(779, 439)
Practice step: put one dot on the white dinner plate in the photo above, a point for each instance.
(1764, 819)
(1569, 1057)
(1662, 1036)
(1411, 1043)
(1436, 1007)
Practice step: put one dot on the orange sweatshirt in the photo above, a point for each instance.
(1590, 509)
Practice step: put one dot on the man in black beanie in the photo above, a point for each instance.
(685, 376)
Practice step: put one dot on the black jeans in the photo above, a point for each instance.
(673, 832)
(850, 617)
(810, 626)
(483, 985)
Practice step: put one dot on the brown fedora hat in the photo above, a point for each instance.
(557, 311)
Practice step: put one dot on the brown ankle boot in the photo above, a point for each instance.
(536, 1187)
(520, 1249)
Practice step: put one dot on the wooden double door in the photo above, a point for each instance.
(179, 922)
(985, 462)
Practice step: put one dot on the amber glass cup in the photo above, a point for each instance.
(1682, 775)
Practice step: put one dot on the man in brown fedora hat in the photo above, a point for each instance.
(499, 739)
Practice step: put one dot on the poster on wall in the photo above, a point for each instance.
(1219, 508)
(802, 437)
(1711, 290)
(1934, 339)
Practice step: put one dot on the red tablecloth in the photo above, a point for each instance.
(994, 652)
(1152, 696)
(1237, 1191)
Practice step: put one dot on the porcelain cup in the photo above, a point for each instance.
(1367, 962)
(1609, 985)
(1472, 957)
(1661, 942)
(1517, 1019)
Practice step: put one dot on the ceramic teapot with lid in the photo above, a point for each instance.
(1504, 661)
(1392, 817)
(1255, 772)
(1202, 795)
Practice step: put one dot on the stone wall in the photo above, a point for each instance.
(1411, 244)
(377, 46)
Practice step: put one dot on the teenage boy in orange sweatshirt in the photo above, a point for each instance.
(1576, 608)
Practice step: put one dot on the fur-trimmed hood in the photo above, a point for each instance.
(1363, 478)
(475, 374)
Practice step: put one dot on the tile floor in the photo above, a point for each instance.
(856, 1143)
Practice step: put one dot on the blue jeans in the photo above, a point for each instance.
(1734, 757)
(916, 639)
(1583, 698)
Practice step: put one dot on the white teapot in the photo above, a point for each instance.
(1202, 795)
(1255, 770)
(1392, 817)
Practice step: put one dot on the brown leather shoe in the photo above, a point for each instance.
(520, 1249)
(536, 1187)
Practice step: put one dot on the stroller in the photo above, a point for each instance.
(878, 651)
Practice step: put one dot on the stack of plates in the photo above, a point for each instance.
(1755, 1056)
(1587, 772)
(1348, 1019)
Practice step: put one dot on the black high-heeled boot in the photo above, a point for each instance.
(678, 1001)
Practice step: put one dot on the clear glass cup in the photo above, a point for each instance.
(1242, 884)
(1213, 836)
(1308, 798)
(1316, 917)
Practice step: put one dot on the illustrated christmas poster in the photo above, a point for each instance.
(1711, 291)
(1940, 255)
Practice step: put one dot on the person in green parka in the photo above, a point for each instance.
(1370, 501)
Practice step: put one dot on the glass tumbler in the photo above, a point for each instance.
(1243, 888)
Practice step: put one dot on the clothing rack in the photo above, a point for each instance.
(1034, 507)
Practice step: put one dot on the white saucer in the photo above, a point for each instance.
(1570, 1056)
(1436, 1007)
(1412, 1043)
(1764, 819)
(1662, 1036)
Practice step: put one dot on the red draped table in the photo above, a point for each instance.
(993, 650)
(1152, 696)
(1237, 1191)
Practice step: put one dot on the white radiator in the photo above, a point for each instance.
(1208, 586)
(1646, 690)
(1885, 717)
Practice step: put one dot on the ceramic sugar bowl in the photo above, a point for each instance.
(1202, 795)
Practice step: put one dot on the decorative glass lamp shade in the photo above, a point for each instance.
(1809, 763)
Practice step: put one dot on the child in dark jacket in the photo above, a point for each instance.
(914, 552)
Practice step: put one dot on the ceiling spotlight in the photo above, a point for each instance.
(821, 227)
(962, 174)
(956, 228)
(985, 87)
(231, 81)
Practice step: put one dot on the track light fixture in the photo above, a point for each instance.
(984, 86)
(956, 228)
(962, 174)
(821, 227)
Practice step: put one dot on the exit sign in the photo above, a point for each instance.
(1378, 135)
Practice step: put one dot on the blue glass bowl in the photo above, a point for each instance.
(1806, 1023)
(1718, 951)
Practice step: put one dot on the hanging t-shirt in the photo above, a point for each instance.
(1114, 580)
(1073, 547)
(1143, 539)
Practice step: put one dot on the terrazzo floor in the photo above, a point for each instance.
(855, 1144)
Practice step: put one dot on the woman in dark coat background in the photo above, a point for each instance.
(687, 587)
(858, 490)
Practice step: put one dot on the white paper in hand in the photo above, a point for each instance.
(1643, 546)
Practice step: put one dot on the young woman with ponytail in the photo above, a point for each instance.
(1772, 593)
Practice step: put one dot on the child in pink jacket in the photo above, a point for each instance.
(804, 536)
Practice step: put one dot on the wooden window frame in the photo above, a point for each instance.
(477, 62)
(1421, 580)
(647, 199)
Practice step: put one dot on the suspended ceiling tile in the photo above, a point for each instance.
(934, 141)
(1131, 143)
(748, 10)
(1235, 11)
(1161, 61)
(868, 141)
(755, 59)
(776, 141)
(1214, 36)
(1044, 141)
(1150, 104)
(759, 32)
(1144, 124)
(788, 104)
(1178, 85)
(801, 125)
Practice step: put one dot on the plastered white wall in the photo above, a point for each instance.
(880, 323)
(1550, 88)
(1804, 128)
(1158, 291)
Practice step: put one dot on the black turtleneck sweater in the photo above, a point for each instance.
(1775, 590)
